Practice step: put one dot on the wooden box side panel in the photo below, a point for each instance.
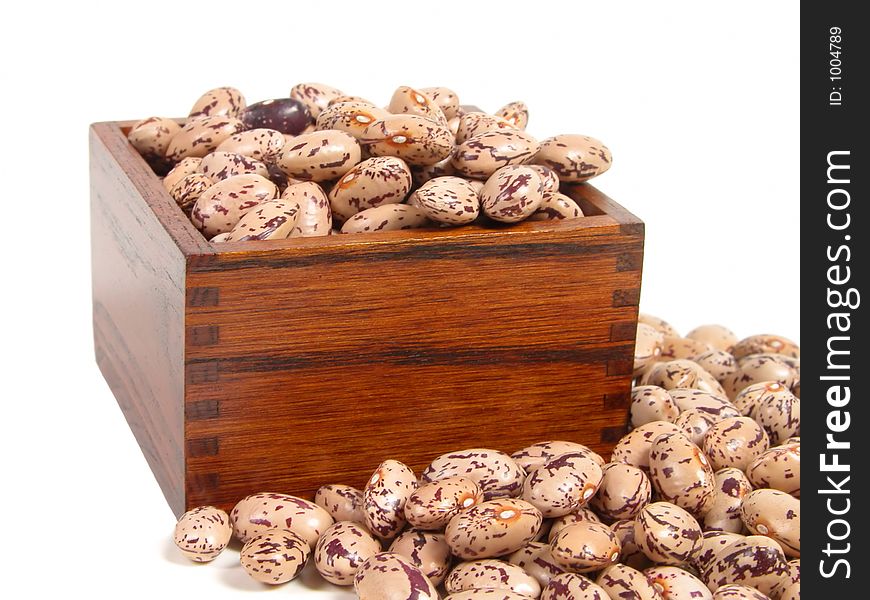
(310, 367)
(138, 283)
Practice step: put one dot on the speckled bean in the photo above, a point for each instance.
(695, 424)
(198, 137)
(220, 165)
(633, 448)
(557, 207)
(756, 561)
(448, 200)
(511, 194)
(484, 154)
(221, 207)
(388, 217)
(188, 190)
(475, 123)
(516, 113)
(495, 472)
(735, 442)
(427, 550)
(315, 216)
(444, 98)
(574, 158)
(621, 581)
(732, 485)
(408, 101)
(315, 96)
(623, 492)
(351, 117)
(151, 136)
(573, 586)
(373, 182)
(202, 533)
(717, 336)
(717, 363)
(758, 368)
(660, 324)
(272, 220)
(493, 528)
(682, 373)
(674, 348)
(738, 592)
(181, 170)
(630, 553)
(415, 139)
(585, 546)
(713, 404)
(775, 514)
(342, 502)
(667, 534)
(320, 156)
(219, 102)
(681, 473)
(388, 576)
(562, 484)
(780, 416)
(778, 468)
(539, 453)
(384, 498)
(259, 144)
(485, 594)
(751, 396)
(535, 559)
(675, 583)
(651, 403)
(257, 513)
(581, 514)
(712, 542)
(765, 344)
(432, 505)
(340, 551)
(491, 574)
(275, 556)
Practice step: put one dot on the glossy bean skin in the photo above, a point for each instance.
(647, 347)
(495, 472)
(667, 534)
(578, 516)
(342, 502)
(486, 594)
(315, 96)
(373, 182)
(275, 556)
(738, 592)
(717, 363)
(765, 344)
(272, 220)
(536, 560)
(423, 173)
(621, 581)
(188, 190)
(219, 102)
(445, 99)
(563, 484)
(352, 117)
(407, 100)
(493, 528)
(259, 144)
(221, 207)
(732, 486)
(539, 453)
(630, 553)
(751, 396)
(388, 217)
(198, 137)
(448, 200)
(778, 468)
(315, 215)
(220, 165)
(780, 416)
(151, 136)
(775, 514)
(340, 551)
(573, 586)
(415, 139)
(258, 513)
(491, 574)
(716, 405)
(735, 442)
(388, 576)
(427, 550)
(202, 533)
(717, 336)
(660, 324)
(186, 167)
(574, 158)
(320, 156)
(675, 583)
(792, 576)
(475, 123)
(633, 448)
(681, 473)
(516, 113)
(674, 348)
(585, 546)
(511, 194)
(432, 505)
(758, 368)
(624, 491)
(695, 424)
(286, 115)
(756, 561)
(384, 498)
(712, 542)
(651, 403)
(481, 156)
(682, 373)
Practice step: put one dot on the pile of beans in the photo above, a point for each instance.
(701, 500)
(321, 162)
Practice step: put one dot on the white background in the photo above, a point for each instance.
(698, 102)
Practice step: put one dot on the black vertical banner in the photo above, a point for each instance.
(834, 172)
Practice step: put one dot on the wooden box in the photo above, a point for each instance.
(285, 365)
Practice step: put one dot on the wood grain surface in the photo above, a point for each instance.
(308, 361)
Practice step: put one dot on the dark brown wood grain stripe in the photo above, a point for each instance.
(199, 447)
(415, 356)
(516, 252)
(199, 297)
(201, 410)
(620, 366)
